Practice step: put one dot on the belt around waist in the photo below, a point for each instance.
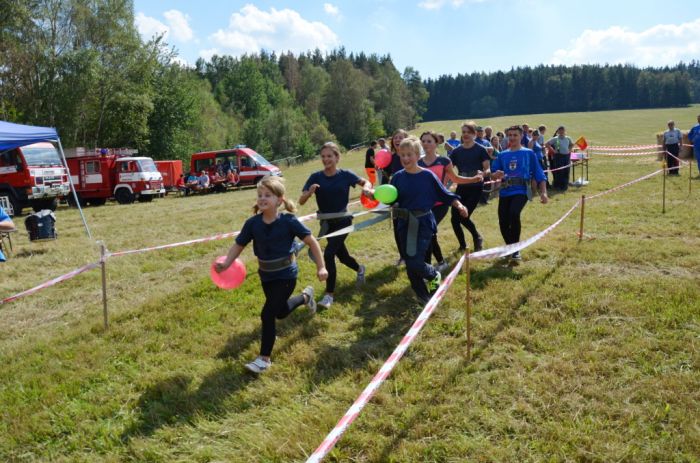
(514, 181)
(275, 265)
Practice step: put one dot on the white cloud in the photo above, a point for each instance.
(252, 29)
(148, 26)
(331, 9)
(657, 46)
(179, 25)
(208, 53)
(438, 4)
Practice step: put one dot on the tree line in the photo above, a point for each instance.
(553, 89)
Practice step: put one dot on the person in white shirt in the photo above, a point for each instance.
(672, 144)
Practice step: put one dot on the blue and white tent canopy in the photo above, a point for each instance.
(14, 135)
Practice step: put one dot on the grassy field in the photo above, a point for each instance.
(585, 352)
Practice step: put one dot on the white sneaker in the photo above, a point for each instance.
(258, 365)
(400, 262)
(442, 267)
(311, 303)
(326, 301)
(360, 277)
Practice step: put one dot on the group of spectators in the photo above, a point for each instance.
(218, 177)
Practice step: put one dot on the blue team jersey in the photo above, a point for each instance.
(3, 217)
(332, 193)
(453, 142)
(273, 241)
(537, 148)
(419, 192)
(694, 137)
(518, 164)
(483, 142)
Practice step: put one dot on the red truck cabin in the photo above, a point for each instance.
(251, 166)
(32, 175)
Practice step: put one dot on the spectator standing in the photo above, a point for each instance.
(369, 163)
(561, 145)
(694, 137)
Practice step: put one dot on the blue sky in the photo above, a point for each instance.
(435, 36)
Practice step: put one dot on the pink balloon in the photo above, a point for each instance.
(382, 159)
(230, 278)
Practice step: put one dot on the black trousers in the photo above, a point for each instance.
(416, 267)
(278, 305)
(671, 162)
(469, 196)
(439, 212)
(336, 248)
(561, 177)
(509, 209)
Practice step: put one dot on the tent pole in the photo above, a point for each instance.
(72, 188)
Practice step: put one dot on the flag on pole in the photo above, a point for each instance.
(582, 143)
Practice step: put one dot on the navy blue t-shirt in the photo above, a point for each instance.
(468, 161)
(273, 241)
(420, 191)
(395, 165)
(332, 193)
(518, 164)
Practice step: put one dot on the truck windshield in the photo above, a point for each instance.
(148, 165)
(260, 160)
(44, 156)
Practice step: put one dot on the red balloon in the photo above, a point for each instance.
(382, 159)
(230, 278)
(368, 203)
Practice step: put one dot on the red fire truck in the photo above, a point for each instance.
(105, 173)
(251, 167)
(32, 175)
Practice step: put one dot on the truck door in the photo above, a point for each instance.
(247, 168)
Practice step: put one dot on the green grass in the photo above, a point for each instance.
(585, 352)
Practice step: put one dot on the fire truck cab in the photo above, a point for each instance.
(108, 173)
(32, 176)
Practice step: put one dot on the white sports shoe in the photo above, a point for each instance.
(258, 365)
(326, 301)
(360, 277)
(311, 303)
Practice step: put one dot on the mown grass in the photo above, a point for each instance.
(585, 352)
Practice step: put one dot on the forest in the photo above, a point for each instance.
(82, 67)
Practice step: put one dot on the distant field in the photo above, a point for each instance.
(585, 352)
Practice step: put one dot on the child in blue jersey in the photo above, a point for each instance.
(516, 167)
(332, 188)
(418, 190)
(273, 235)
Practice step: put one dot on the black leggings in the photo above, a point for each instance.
(439, 212)
(278, 305)
(469, 196)
(336, 248)
(509, 209)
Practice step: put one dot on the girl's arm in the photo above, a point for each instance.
(458, 179)
(315, 248)
(366, 187)
(233, 253)
(463, 211)
(305, 195)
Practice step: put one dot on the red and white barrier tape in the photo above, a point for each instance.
(559, 168)
(681, 161)
(386, 369)
(644, 153)
(620, 147)
(624, 185)
(47, 284)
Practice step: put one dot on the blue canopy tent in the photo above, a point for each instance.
(16, 135)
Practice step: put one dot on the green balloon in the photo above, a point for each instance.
(386, 194)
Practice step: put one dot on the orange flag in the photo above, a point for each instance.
(582, 143)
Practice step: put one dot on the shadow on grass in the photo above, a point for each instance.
(432, 397)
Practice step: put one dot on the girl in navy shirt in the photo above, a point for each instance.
(444, 170)
(332, 188)
(419, 189)
(273, 235)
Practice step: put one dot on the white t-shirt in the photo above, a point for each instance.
(672, 137)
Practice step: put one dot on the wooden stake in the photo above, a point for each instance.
(467, 271)
(580, 228)
(663, 197)
(103, 266)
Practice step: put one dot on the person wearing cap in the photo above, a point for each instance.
(562, 146)
(672, 145)
(694, 137)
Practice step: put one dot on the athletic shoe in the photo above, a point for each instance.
(478, 244)
(434, 284)
(516, 256)
(442, 266)
(326, 301)
(400, 262)
(311, 303)
(258, 365)
(360, 280)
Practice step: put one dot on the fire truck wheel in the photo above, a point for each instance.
(51, 204)
(124, 196)
(16, 210)
(97, 201)
(145, 198)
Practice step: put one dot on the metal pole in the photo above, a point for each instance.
(467, 271)
(103, 266)
(72, 187)
(663, 197)
(580, 229)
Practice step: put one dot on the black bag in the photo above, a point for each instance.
(41, 225)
